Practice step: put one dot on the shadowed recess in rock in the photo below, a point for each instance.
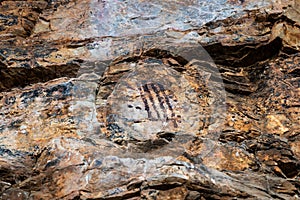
(21, 77)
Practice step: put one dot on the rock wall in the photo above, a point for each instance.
(149, 99)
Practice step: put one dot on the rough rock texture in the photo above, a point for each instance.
(118, 100)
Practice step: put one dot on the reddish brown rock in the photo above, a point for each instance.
(65, 66)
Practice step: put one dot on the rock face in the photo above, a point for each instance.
(149, 99)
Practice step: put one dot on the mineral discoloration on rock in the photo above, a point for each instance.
(54, 138)
(40, 113)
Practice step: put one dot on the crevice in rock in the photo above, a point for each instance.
(247, 54)
(241, 66)
(21, 77)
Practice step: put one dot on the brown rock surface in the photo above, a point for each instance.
(118, 100)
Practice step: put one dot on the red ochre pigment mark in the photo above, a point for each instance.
(158, 102)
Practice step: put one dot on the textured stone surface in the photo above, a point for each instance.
(67, 66)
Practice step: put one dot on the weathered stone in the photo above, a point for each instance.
(66, 66)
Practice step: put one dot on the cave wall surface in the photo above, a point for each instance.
(150, 99)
